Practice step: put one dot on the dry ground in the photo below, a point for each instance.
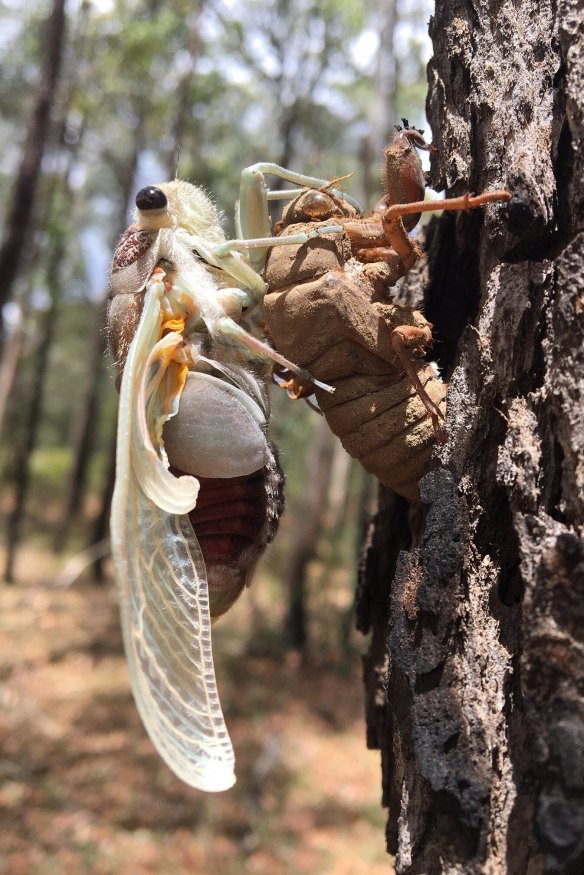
(82, 790)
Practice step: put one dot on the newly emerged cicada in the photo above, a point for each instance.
(198, 490)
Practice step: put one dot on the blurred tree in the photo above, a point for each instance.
(54, 219)
(183, 107)
(22, 198)
(383, 113)
(308, 521)
(20, 473)
(88, 411)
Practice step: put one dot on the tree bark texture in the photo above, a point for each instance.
(475, 676)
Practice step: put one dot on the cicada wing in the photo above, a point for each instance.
(167, 634)
(160, 574)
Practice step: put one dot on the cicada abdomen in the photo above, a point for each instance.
(198, 489)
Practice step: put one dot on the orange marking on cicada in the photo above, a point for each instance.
(173, 324)
(295, 388)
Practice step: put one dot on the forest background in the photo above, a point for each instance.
(97, 100)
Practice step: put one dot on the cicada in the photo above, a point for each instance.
(198, 489)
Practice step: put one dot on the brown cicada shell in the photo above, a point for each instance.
(329, 309)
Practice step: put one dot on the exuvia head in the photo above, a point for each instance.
(415, 136)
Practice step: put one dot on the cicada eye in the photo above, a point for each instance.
(151, 198)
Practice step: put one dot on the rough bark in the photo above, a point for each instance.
(475, 676)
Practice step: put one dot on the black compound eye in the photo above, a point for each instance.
(151, 198)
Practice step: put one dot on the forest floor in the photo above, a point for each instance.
(83, 791)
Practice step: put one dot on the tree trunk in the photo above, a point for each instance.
(101, 526)
(23, 193)
(23, 454)
(184, 97)
(9, 358)
(88, 414)
(383, 110)
(308, 524)
(84, 435)
(475, 674)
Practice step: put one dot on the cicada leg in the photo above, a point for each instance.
(408, 336)
(395, 231)
(295, 388)
(230, 328)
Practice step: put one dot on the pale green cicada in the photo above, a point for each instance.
(198, 489)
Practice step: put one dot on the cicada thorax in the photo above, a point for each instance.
(321, 313)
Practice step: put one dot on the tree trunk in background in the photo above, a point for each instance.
(23, 193)
(383, 111)
(10, 357)
(21, 469)
(100, 528)
(88, 414)
(308, 525)
(84, 435)
(184, 97)
(475, 675)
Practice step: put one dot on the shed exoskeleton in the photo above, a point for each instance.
(329, 308)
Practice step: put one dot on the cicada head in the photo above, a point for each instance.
(170, 205)
(178, 204)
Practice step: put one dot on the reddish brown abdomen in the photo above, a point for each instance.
(234, 520)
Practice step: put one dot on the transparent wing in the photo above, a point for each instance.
(160, 572)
